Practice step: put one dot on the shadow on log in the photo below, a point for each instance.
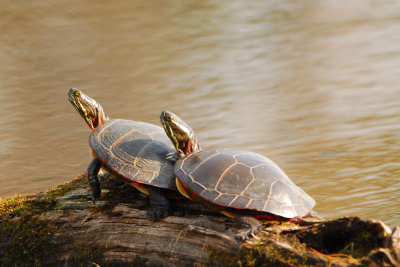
(62, 227)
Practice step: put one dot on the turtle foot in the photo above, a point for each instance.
(159, 204)
(156, 213)
(173, 156)
(250, 226)
(96, 193)
(246, 234)
(94, 199)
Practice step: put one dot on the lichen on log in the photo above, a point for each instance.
(62, 227)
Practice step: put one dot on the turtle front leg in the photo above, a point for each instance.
(175, 155)
(159, 204)
(93, 170)
(249, 226)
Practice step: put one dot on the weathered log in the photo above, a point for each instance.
(63, 227)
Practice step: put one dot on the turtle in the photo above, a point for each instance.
(134, 151)
(242, 185)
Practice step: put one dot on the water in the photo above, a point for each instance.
(313, 86)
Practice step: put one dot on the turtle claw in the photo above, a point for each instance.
(250, 225)
(94, 199)
(173, 156)
(242, 236)
(96, 192)
(254, 236)
(247, 234)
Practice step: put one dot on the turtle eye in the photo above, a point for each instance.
(77, 93)
(168, 119)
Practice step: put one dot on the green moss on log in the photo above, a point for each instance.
(38, 203)
(262, 254)
(25, 241)
(24, 236)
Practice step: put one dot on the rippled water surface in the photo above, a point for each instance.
(315, 86)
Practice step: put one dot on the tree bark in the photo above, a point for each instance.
(63, 227)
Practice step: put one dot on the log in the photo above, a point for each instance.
(61, 227)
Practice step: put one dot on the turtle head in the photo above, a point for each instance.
(89, 109)
(181, 135)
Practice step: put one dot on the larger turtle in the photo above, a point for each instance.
(243, 185)
(134, 151)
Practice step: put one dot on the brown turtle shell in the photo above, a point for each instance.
(242, 180)
(136, 151)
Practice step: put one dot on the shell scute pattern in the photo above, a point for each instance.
(212, 170)
(189, 164)
(272, 171)
(252, 159)
(161, 136)
(234, 179)
(196, 187)
(115, 164)
(301, 209)
(288, 211)
(112, 131)
(240, 202)
(126, 171)
(225, 199)
(283, 194)
(210, 194)
(271, 205)
(131, 150)
(255, 204)
(258, 188)
(243, 180)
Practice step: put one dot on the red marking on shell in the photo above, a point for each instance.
(123, 176)
(269, 217)
(184, 185)
(295, 220)
(194, 194)
(102, 160)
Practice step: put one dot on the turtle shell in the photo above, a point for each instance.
(135, 151)
(242, 180)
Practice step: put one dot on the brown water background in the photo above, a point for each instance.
(313, 85)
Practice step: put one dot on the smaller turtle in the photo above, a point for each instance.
(134, 151)
(242, 185)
